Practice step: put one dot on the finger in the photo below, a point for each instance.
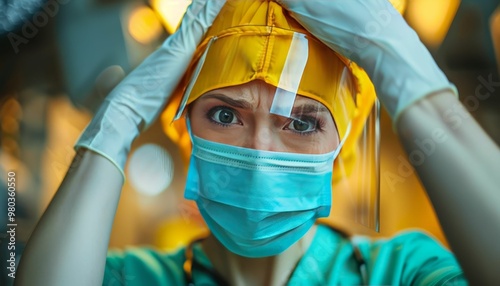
(148, 87)
(198, 18)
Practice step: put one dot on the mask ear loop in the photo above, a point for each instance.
(341, 144)
(291, 75)
(188, 127)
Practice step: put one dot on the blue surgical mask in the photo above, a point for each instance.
(258, 203)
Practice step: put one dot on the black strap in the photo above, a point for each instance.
(358, 256)
(191, 264)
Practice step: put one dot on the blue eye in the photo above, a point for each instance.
(303, 126)
(222, 115)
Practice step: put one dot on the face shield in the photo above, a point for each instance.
(308, 100)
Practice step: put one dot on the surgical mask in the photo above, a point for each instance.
(258, 203)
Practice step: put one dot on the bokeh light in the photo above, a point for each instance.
(431, 19)
(171, 12)
(150, 169)
(144, 26)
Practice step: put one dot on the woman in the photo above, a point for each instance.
(231, 124)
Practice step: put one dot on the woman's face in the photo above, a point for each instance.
(240, 116)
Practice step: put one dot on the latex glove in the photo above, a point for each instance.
(375, 36)
(139, 98)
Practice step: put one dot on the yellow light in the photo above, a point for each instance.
(171, 12)
(495, 33)
(10, 125)
(176, 232)
(11, 107)
(10, 145)
(431, 19)
(144, 25)
(400, 5)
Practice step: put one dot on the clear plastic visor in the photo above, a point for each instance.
(279, 113)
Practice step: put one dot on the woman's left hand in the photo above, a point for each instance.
(375, 36)
(455, 159)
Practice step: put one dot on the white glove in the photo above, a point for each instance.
(375, 36)
(140, 97)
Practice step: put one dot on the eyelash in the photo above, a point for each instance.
(318, 122)
(210, 113)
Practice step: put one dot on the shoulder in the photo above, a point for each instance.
(144, 266)
(409, 258)
(405, 240)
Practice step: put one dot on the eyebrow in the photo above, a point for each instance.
(239, 103)
(233, 102)
(309, 108)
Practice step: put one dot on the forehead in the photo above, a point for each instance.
(258, 93)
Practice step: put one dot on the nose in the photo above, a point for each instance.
(263, 138)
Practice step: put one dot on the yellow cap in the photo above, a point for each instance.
(252, 40)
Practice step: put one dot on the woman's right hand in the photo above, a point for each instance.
(70, 242)
(138, 99)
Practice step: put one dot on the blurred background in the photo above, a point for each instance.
(59, 58)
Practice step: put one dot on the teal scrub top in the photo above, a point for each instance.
(410, 258)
